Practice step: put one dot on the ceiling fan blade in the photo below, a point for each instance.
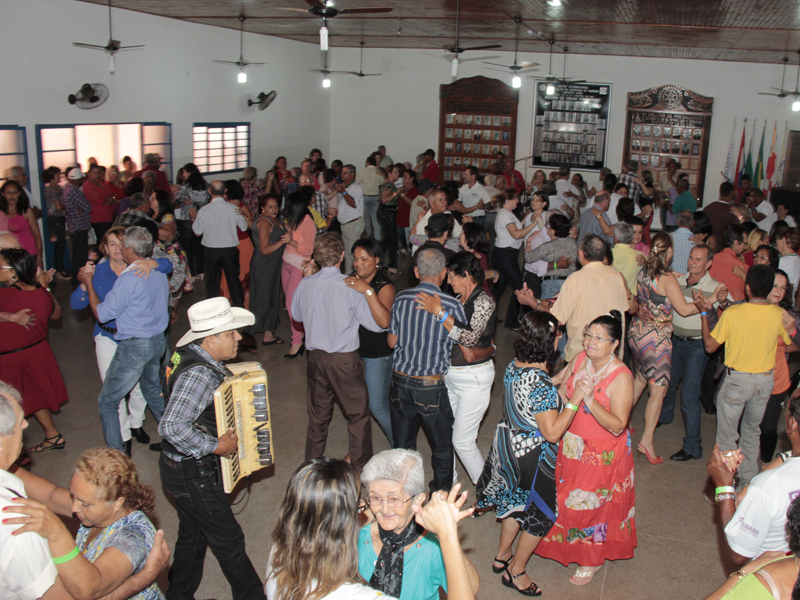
(364, 11)
(320, 71)
(528, 69)
(370, 74)
(344, 72)
(496, 65)
(526, 65)
(130, 47)
(488, 47)
(497, 70)
(437, 56)
(481, 58)
(302, 10)
(769, 94)
(89, 46)
(316, 3)
(226, 62)
(253, 64)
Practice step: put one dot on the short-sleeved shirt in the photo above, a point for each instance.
(26, 567)
(720, 216)
(722, 270)
(471, 196)
(589, 225)
(349, 213)
(766, 209)
(684, 202)
(750, 333)
(682, 248)
(759, 523)
(504, 238)
(423, 566)
(132, 535)
(790, 264)
(625, 262)
(51, 196)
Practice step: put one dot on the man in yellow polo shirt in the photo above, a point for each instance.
(626, 259)
(750, 333)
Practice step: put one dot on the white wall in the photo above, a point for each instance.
(172, 79)
(401, 108)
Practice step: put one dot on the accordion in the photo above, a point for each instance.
(241, 403)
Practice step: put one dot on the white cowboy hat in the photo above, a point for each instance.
(213, 316)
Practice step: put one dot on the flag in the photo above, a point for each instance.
(740, 158)
(730, 174)
(772, 157)
(782, 160)
(758, 169)
(748, 165)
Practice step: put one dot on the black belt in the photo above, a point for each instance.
(21, 349)
(351, 221)
(681, 338)
(111, 330)
(729, 370)
(550, 277)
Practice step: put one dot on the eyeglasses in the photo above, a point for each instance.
(392, 501)
(6, 267)
(589, 336)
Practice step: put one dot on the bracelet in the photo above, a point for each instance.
(571, 406)
(369, 292)
(740, 574)
(725, 489)
(704, 314)
(444, 317)
(721, 497)
(67, 557)
(495, 352)
(439, 316)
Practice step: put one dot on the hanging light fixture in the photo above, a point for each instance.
(551, 89)
(796, 105)
(326, 83)
(242, 77)
(516, 81)
(454, 70)
(323, 37)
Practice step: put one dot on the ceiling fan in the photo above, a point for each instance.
(325, 9)
(516, 81)
(361, 67)
(112, 47)
(455, 49)
(326, 82)
(242, 62)
(782, 93)
(551, 79)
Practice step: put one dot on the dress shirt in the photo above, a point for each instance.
(27, 570)
(78, 209)
(691, 326)
(423, 346)
(349, 213)
(634, 189)
(722, 270)
(589, 225)
(320, 204)
(191, 395)
(369, 180)
(217, 222)
(97, 196)
(470, 196)
(331, 312)
(586, 294)
(682, 247)
(103, 280)
(625, 262)
(140, 306)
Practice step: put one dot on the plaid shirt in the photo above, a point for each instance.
(320, 204)
(634, 189)
(192, 394)
(78, 209)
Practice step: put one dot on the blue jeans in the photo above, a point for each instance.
(371, 225)
(689, 360)
(551, 287)
(136, 360)
(378, 373)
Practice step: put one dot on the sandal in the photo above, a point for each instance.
(502, 562)
(24, 462)
(54, 443)
(532, 590)
(583, 575)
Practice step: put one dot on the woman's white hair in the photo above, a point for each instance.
(399, 466)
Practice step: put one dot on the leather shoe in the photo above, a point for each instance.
(155, 447)
(127, 447)
(140, 434)
(682, 456)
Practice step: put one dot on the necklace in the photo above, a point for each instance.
(596, 375)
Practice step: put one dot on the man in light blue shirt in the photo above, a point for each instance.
(141, 310)
(681, 241)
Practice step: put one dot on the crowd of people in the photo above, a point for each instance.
(601, 308)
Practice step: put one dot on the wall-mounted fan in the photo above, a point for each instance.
(91, 95)
(325, 9)
(112, 47)
(242, 62)
(263, 100)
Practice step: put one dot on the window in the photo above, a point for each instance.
(221, 147)
(13, 149)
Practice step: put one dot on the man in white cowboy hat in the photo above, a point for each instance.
(190, 448)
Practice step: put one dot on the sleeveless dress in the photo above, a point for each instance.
(19, 226)
(651, 341)
(265, 280)
(518, 478)
(594, 471)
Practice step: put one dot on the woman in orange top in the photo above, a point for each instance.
(299, 240)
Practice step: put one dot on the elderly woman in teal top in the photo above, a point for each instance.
(114, 538)
(396, 555)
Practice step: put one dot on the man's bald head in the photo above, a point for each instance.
(306, 180)
(8, 240)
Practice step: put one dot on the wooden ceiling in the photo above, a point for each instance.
(731, 30)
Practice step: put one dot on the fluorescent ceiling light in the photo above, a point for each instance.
(323, 38)
(326, 83)
(516, 81)
(796, 105)
(242, 77)
(551, 89)
(454, 70)
(554, 2)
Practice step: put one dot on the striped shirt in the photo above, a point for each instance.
(423, 346)
(78, 209)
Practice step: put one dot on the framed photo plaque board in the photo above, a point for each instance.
(669, 122)
(477, 117)
(570, 125)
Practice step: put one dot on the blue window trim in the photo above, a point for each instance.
(24, 153)
(226, 124)
(170, 174)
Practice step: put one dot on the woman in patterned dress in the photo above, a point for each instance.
(518, 479)
(650, 335)
(594, 471)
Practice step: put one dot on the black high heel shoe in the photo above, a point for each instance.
(296, 354)
(531, 591)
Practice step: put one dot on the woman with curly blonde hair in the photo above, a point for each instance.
(115, 536)
(650, 335)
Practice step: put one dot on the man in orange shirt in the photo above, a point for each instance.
(729, 266)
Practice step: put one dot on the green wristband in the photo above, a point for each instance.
(571, 406)
(725, 489)
(67, 557)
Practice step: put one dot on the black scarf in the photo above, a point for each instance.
(388, 574)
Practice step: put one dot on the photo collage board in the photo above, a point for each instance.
(669, 123)
(570, 124)
(473, 130)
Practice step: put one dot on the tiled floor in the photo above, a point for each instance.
(678, 554)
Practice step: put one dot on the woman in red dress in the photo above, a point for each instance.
(26, 360)
(594, 470)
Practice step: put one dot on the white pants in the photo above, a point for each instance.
(105, 348)
(469, 389)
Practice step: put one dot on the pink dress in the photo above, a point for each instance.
(19, 226)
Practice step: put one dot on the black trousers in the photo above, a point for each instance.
(192, 245)
(769, 426)
(506, 262)
(387, 219)
(100, 230)
(80, 252)
(205, 519)
(58, 228)
(217, 261)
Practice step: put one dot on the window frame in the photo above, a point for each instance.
(222, 125)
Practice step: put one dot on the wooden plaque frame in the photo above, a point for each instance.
(664, 110)
(475, 99)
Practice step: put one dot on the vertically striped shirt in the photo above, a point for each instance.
(423, 347)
